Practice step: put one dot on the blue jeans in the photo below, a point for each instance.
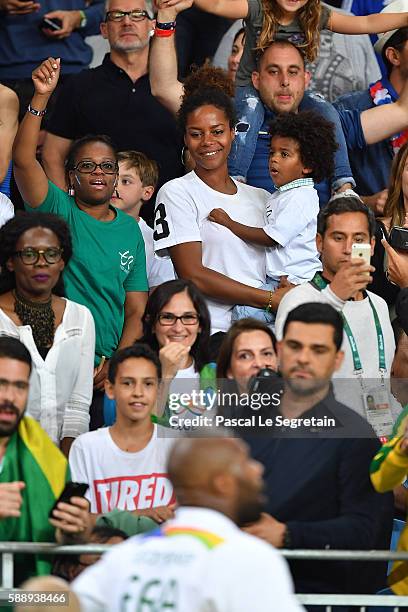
(241, 311)
(251, 114)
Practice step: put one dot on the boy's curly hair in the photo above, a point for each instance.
(207, 85)
(315, 138)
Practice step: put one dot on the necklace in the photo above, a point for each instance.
(39, 316)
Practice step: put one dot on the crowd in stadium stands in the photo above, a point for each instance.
(204, 298)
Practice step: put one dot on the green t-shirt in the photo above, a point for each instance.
(108, 260)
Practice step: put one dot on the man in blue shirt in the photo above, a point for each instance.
(371, 165)
(281, 80)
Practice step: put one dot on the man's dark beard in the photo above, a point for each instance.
(309, 387)
(7, 430)
(250, 511)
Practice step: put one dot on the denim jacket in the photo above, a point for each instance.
(252, 113)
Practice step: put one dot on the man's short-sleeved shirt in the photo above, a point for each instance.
(197, 562)
(108, 261)
(181, 215)
(105, 100)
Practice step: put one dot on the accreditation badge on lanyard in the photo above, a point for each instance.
(375, 397)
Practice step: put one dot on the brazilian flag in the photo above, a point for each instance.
(31, 457)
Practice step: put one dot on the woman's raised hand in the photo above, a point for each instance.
(45, 77)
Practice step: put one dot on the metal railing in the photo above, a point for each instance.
(393, 602)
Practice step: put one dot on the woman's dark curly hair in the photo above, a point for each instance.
(207, 85)
(315, 138)
(158, 300)
(16, 227)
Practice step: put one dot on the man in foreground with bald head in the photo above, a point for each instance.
(200, 560)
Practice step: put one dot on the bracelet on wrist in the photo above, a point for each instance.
(35, 112)
(269, 305)
(166, 25)
(163, 33)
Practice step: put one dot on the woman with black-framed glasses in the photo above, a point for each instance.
(59, 333)
(176, 324)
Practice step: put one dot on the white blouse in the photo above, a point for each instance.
(61, 384)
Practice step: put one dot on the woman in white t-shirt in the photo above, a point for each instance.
(59, 333)
(225, 268)
(176, 324)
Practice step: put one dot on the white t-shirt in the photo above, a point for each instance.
(181, 215)
(198, 562)
(292, 223)
(180, 399)
(158, 269)
(118, 479)
(6, 209)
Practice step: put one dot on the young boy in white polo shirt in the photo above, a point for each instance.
(138, 176)
(301, 154)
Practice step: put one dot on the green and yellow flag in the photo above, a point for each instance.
(32, 457)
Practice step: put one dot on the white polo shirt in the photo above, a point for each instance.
(198, 562)
(181, 215)
(292, 222)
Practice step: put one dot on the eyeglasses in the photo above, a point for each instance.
(167, 318)
(136, 15)
(87, 167)
(30, 256)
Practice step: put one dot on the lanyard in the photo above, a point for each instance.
(320, 283)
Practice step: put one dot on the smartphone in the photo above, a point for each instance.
(54, 24)
(71, 489)
(399, 238)
(361, 250)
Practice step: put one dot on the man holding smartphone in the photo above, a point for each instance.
(33, 471)
(368, 343)
(25, 39)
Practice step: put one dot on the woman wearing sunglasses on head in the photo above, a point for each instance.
(59, 333)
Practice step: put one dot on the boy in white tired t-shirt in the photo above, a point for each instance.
(138, 177)
(301, 154)
(125, 465)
